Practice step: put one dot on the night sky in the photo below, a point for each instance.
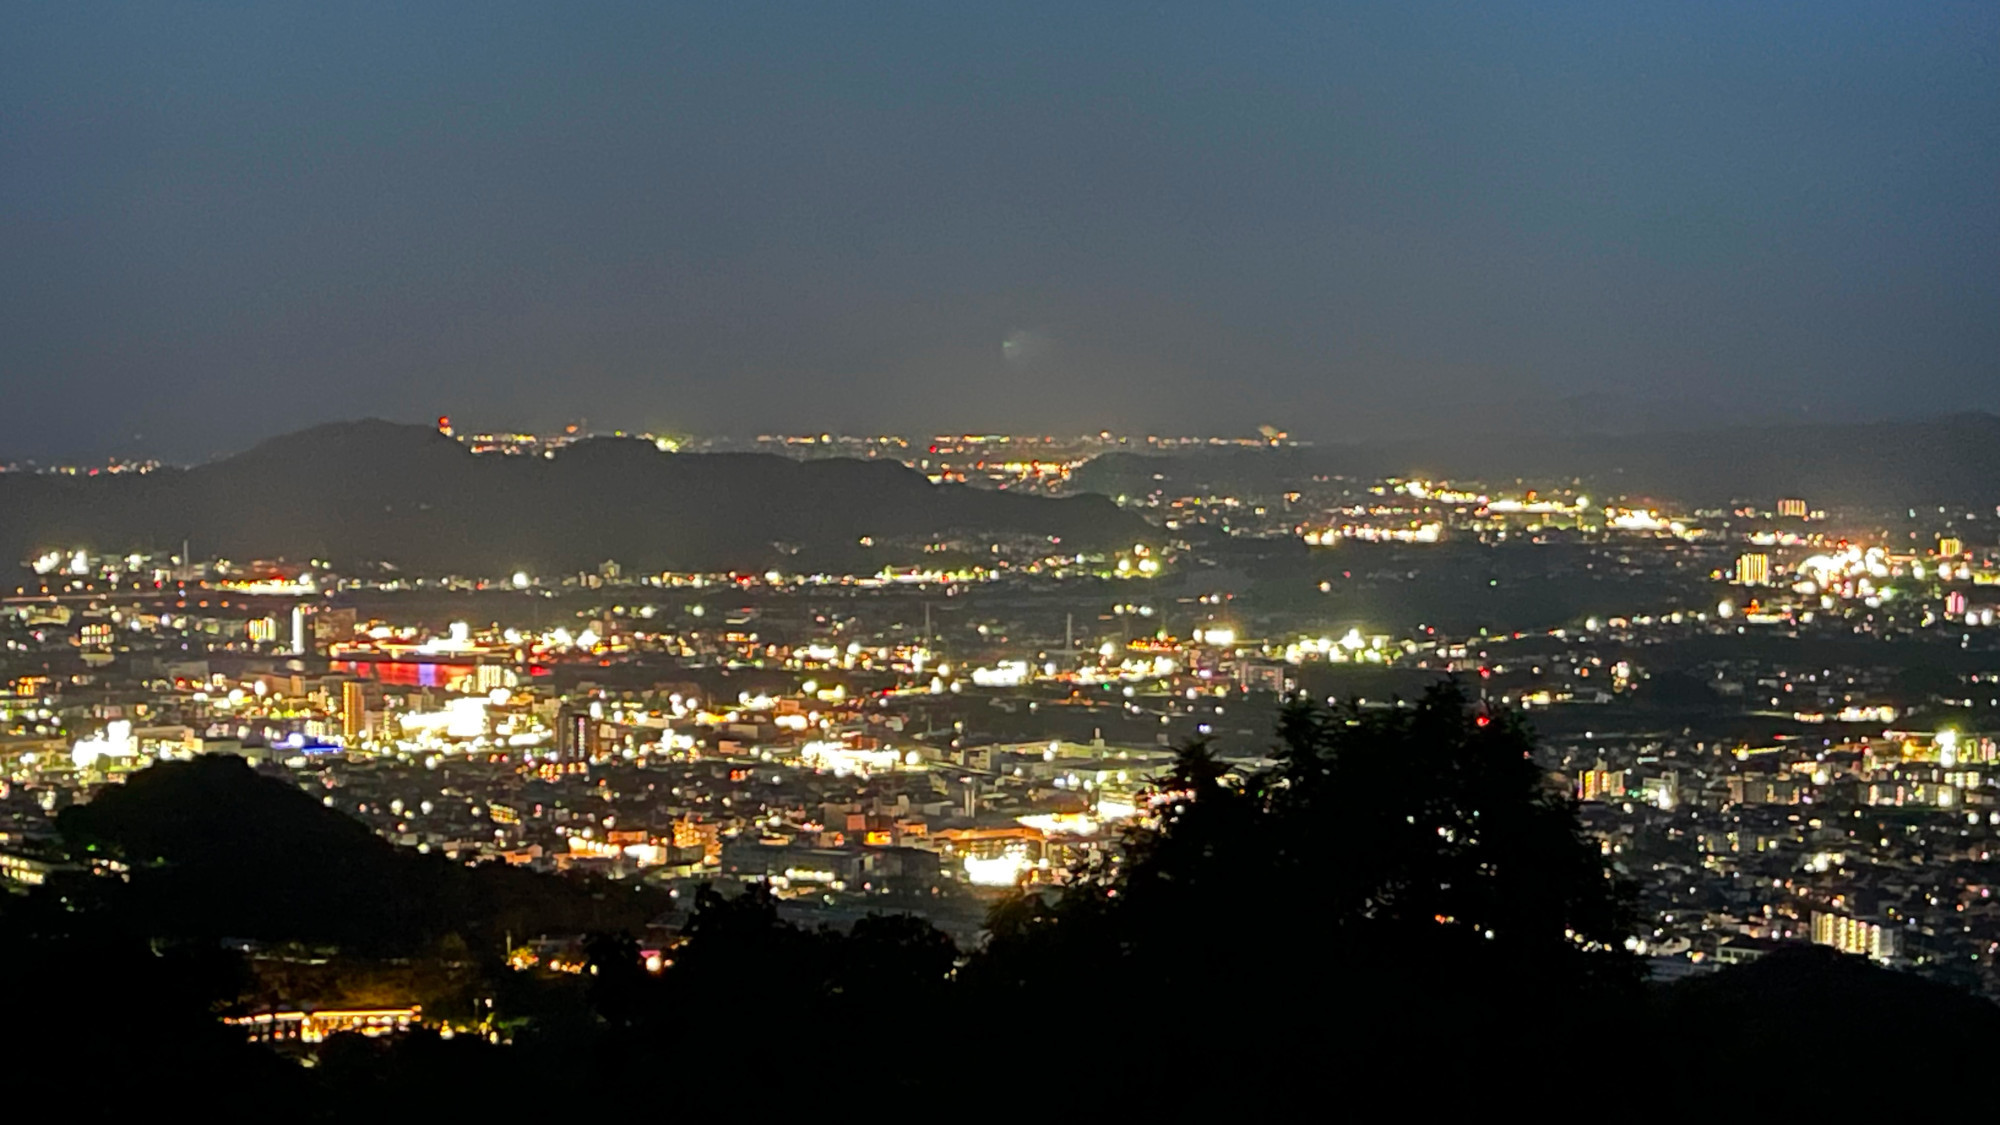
(219, 224)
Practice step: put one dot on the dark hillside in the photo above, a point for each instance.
(218, 850)
(377, 491)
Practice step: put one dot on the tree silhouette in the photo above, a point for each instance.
(1408, 870)
(894, 962)
(618, 980)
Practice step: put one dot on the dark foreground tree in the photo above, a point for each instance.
(742, 970)
(1400, 876)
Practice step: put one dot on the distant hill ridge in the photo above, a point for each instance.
(381, 491)
(1953, 460)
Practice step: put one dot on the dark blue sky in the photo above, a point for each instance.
(220, 223)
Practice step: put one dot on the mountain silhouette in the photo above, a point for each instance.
(375, 491)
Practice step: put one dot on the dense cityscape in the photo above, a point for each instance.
(1778, 719)
(626, 560)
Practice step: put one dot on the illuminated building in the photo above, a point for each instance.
(1792, 508)
(353, 711)
(24, 870)
(1852, 935)
(704, 835)
(576, 736)
(1909, 794)
(1765, 790)
(314, 1027)
(1600, 784)
(1753, 570)
(1950, 547)
(1954, 604)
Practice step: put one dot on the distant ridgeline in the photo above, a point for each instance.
(1952, 460)
(378, 491)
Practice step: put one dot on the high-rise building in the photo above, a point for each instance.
(693, 836)
(353, 712)
(1954, 604)
(1852, 935)
(1792, 508)
(1753, 570)
(576, 736)
(1950, 547)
